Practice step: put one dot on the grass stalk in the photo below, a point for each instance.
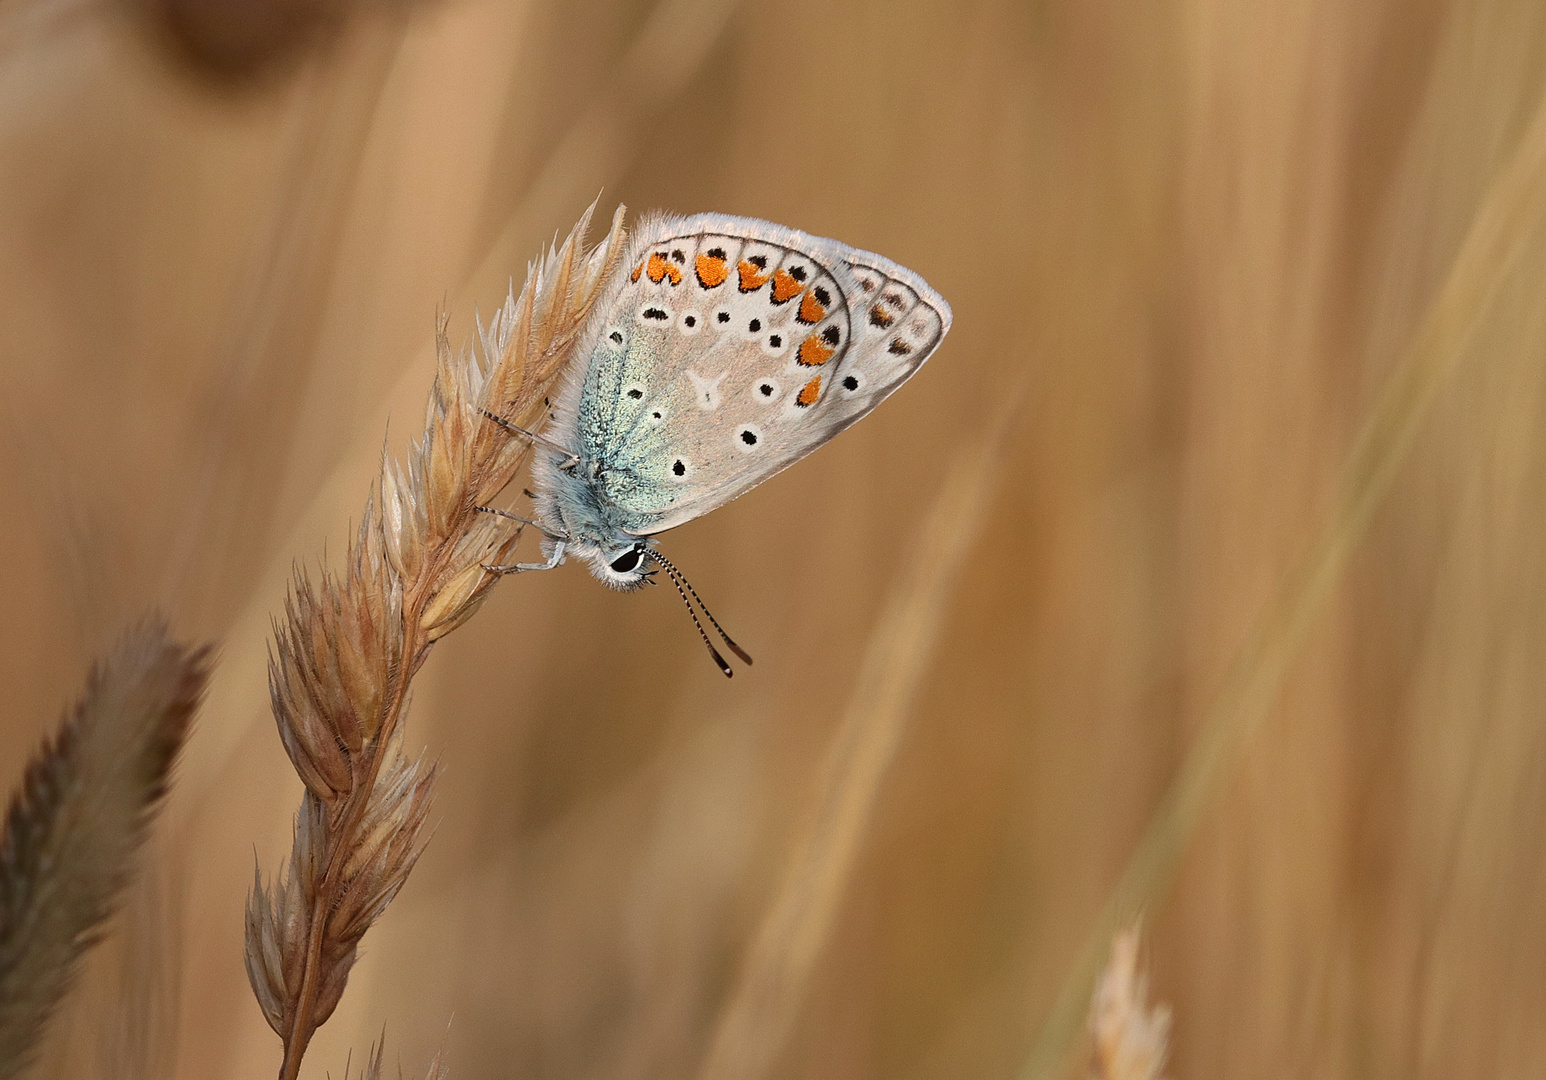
(1510, 217)
(762, 1009)
(347, 649)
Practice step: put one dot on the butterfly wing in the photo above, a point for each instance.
(733, 348)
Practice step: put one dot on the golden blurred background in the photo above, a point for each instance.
(1100, 613)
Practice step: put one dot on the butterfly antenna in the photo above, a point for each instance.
(543, 529)
(720, 660)
(677, 575)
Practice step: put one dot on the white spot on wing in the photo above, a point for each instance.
(748, 437)
(706, 390)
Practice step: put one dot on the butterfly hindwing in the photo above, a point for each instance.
(733, 348)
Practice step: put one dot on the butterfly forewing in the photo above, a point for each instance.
(733, 349)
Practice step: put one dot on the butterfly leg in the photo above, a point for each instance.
(571, 459)
(520, 568)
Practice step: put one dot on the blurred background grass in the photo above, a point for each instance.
(1203, 233)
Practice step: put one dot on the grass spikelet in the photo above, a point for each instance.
(78, 819)
(1130, 1037)
(349, 645)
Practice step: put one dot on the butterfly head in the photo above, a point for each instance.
(621, 563)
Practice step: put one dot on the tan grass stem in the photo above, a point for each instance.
(271, 331)
(763, 1008)
(347, 649)
(609, 133)
(1510, 217)
(79, 818)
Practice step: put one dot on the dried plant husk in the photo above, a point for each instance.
(78, 819)
(348, 644)
(1130, 1037)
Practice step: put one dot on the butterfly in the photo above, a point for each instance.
(725, 349)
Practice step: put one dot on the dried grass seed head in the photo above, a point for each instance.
(1131, 1038)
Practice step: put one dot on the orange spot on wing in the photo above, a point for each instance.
(809, 393)
(785, 287)
(814, 352)
(661, 267)
(880, 317)
(752, 277)
(712, 271)
(811, 310)
(637, 270)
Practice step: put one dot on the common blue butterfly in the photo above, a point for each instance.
(724, 350)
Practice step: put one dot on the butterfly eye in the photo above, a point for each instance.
(627, 562)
